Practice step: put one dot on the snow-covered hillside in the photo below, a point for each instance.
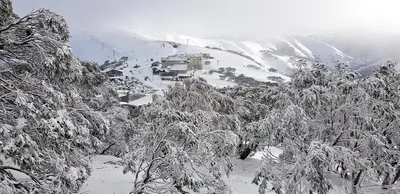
(279, 53)
(142, 51)
(250, 58)
(88, 47)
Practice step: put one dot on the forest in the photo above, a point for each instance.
(56, 112)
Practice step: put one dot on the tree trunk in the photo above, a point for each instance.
(397, 175)
(277, 191)
(179, 188)
(105, 150)
(386, 181)
(247, 151)
(356, 182)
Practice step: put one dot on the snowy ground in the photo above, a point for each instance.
(109, 179)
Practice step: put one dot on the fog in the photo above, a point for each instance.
(254, 19)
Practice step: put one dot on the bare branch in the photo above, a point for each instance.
(21, 171)
(27, 17)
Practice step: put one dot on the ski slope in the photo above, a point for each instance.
(276, 49)
(142, 51)
(87, 47)
(325, 52)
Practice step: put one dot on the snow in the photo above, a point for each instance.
(303, 46)
(215, 81)
(108, 178)
(87, 47)
(248, 48)
(185, 74)
(141, 101)
(296, 50)
(174, 58)
(179, 67)
(17, 175)
(323, 51)
(226, 59)
(308, 51)
(273, 151)
(140, 49)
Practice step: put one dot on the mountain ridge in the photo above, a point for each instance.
(280, 53)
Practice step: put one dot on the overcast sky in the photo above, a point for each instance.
(235, 18)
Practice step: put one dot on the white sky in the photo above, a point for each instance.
(234, 18)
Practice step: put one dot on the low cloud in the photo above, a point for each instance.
(234, 18)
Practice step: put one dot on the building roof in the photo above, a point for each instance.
(183, 67)
(114, 71)
(169, 74)
(185, 75)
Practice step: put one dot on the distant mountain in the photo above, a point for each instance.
(368, 48)
(280, 53)
(141, 51)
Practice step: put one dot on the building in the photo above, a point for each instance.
(115, 79)
(196, 62)
(173, 60)
(125, 98)
(206, 55)
(168, 75)
(155, 64)
(114, 73)
(184, 76)
(179, 68)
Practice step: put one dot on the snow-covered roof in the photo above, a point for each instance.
(167, 77)
(185, 75)
(179, 67)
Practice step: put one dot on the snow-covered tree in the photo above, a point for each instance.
(252, 104)
(331, 123)
(183, 141)
(55, 110)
